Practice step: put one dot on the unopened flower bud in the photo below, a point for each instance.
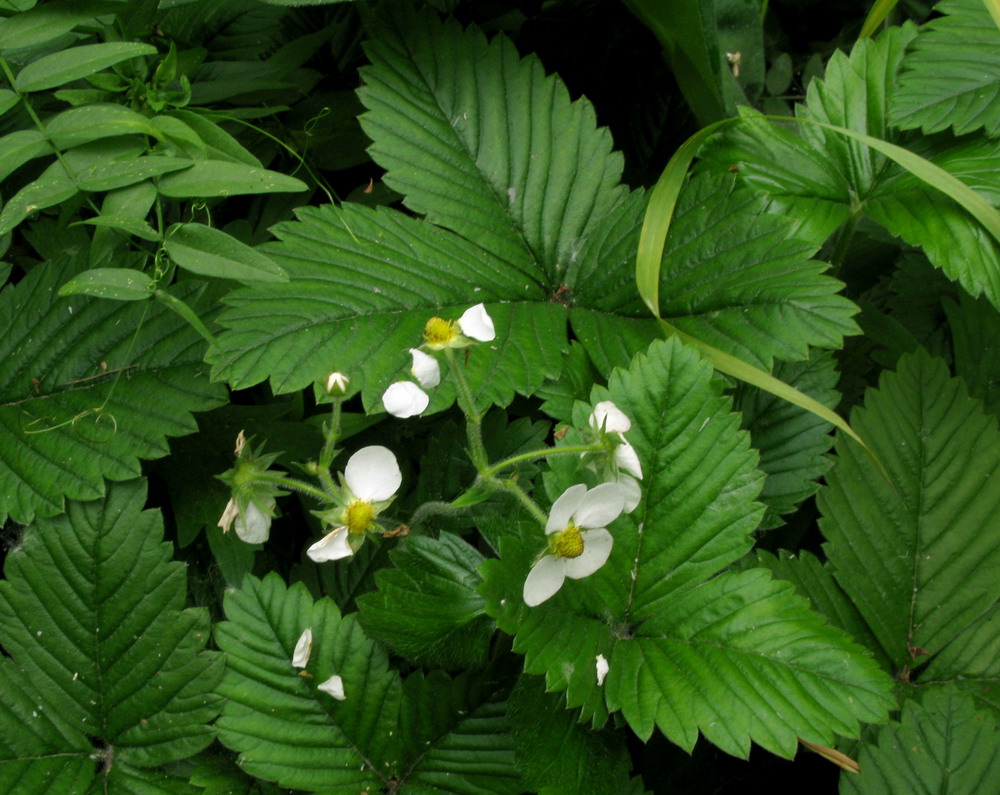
(336, 384)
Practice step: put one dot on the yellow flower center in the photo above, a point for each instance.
(359, 516)
(439, 333)
(567, 543)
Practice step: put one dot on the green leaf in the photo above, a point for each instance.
(78, 126)
(939, 745)
(49, 21)
(951, 74)
(738, 657)
(102, 659)
(363, 284)
(555, 753)
(64, 67)
(219, 145)
(88, 388)
(917, 555)
(211, 252)
(224, 178)
(120, 284)
(793, 442)
(134, 226)
(975, 334)
(17, 148)
(110, 163)
(8, 100)
(426, 609)
(483, 143)
(424, 732)
(51, 188)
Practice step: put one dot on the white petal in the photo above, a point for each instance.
(608, 416)
(337, 383)
(602, 669)
(633, 492)
(601, 506)
(241, 441)
(228, 515)
(372, 474)
(628, 459)
(596, 551)
(425, 369)
(334, 686)
(563, 508)
(253, 526)
(476, 323)
(545, 578)
(303, 648)
(405, 399)
(333, 546)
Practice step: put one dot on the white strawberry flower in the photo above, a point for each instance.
(579, 543)
(405, 399)
(371, 479)
(425, 369)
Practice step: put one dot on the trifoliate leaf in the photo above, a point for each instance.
(103, 662)
(940, 745)
(426, 609)
(738, 657)
(88, 388)
(419, 735)
(917, 555)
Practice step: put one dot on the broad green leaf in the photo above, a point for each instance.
(49, 21)
(225, 178)
(134, 226)
(793, 443)
(78, 126)
(89, 387)
(426, 609)
(52, 187)
(737, 657)
(363, 284)
(18, 148)
(107, 165)
(120, 284)
(8, 100)
(483, 143)
(555, 753)
(122, 210)
(101, 653)
(940, 745)
(211, 252)
(975, 335)
(219, 144)
(951, 75)
(422, 733)
(917, 555)
(64, 67)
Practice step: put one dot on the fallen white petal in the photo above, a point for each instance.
(608, 416)
(303, 648)
(405, 399)
(602, 669)
(596, 551)
(334, 686)
(476, 323)
(545, 578)
(425, 369)
(600, 506)
(333, 546)
(372, 474)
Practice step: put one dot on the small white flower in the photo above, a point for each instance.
(579, 544)
(337, 383)
(372, 479)
(303, 648)
(609, 418)
(334, 686)
(602, 669)
(252, 526)
(476, 323)
(404, 399)
(425, 369)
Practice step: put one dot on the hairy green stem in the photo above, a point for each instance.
(544, 453)
(473, 420)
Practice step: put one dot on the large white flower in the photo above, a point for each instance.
(425, 369)
(579, 544)
(372, 478)
(405, 399)
(476, 323)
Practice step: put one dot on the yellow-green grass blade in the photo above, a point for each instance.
(993, 6)
(876, 17)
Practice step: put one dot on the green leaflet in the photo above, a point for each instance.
(940, 745)
(101, 655)
(63, 67)
(89, 387)
(425, 731)
(211, 252)
(737, 657)
(917, 555)
(951, 75)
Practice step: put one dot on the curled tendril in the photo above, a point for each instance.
(97, 412)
